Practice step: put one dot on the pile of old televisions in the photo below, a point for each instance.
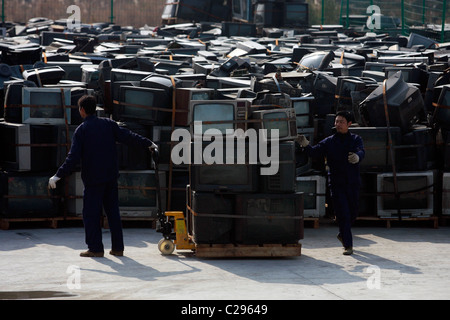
(155, 81)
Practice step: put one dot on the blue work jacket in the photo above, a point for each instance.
(94, 144)
(336, 148)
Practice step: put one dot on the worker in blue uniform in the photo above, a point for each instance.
(94, 144)
(343, 151)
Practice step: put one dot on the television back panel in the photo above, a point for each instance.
(314, 193)
(270, 218)
(284, 180)
(210, 229)
(416, 194)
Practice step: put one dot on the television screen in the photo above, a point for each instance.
(224, 174)
(296, 14)
(314, 193)
(272, 218)
(283, 120)
(137, 193)
(416, 194)
(143, 104)
(303, 111)
(233, 29)
(26, 195)
(45, 105)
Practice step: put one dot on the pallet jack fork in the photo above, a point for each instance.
(172, 224)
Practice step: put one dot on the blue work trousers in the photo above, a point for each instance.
(95, 198)
(345, 204)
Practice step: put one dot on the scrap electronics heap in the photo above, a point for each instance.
(226, 75)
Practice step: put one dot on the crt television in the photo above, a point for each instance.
(183, 96)
(149, 105)
(45, 105)
(28, 147)
(442, 107)
(26, 195)
(314, 193)
(295, 14)
(416, 194)
(303, 107)
(283, 119)
(446, 193)
(217, 114)
(269, 218)
(284, 179)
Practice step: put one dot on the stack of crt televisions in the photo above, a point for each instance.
(230, 198)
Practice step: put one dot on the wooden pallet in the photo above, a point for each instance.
(247, 251)
(51, 222)
(315, 221)
(433, 219)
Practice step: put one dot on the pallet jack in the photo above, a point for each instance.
(172, 224)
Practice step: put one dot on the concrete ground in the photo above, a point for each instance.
(395, 263)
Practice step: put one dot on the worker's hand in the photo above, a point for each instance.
(153, 147)
(52, 182)
(302, 141)
(353, 158)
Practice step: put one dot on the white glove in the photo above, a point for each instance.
(153, 147)
(52, 182)
(353, 158)
(302, 141)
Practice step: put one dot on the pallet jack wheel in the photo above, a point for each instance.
(166, 246)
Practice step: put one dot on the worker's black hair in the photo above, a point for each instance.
(88, 103)
(346, 114)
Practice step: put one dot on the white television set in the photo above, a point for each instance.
(303, 111)
(415, 194)
(283, 119)
(314, 193)
(44, 105)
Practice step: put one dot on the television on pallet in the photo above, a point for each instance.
(284, 180)
(183, 97)
(415, 194)
(208, 226)
(26, 195)
(28, 147)
(45, 105)
(304, 107)
(269, 218)
(137, 193)
(217, 114)
(161, 136)
(282, 119)
(314, 194)
(232, 177)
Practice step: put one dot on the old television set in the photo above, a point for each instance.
(28, 147)
(344, 87)
(418, 151)
(217, 114)
(234, 29)
(446, 193)
(272, 218)
(183, 96)
(284, 179)
(303, 107)
(415, 190)
(146, 105)
(376, 146)
(13, 100)
(295, 14)
(45, 105)
(225, 173)
(442, 110)
(410, 74)
(26, 194)
(211, 229)
(73, 69)
(134, 157)
(324, 90)
(269, 14)
(405, 104)
(314, 194)
(127, 75)
(161, 136)
(283, 119)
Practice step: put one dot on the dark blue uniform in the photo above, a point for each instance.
(344, 177)
(94, 144)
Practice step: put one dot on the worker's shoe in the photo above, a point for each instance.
(92, 254)
(348, 251)
(116, 253)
